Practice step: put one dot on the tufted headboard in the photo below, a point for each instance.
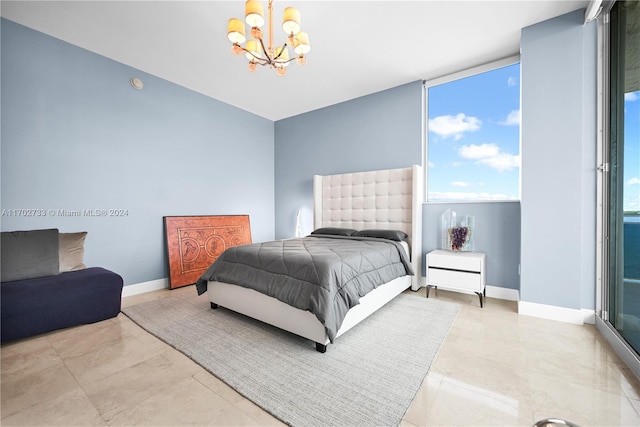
(386, 199)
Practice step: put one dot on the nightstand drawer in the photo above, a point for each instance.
(458, 280)
(465, 261)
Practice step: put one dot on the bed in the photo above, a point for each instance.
(376, 200)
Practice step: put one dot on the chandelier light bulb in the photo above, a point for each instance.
(282, 56)
(253, 50)
(254, 13)
(235, 31)
(291, 21)
(301, 44)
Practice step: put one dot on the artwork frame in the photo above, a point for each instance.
(194, 242)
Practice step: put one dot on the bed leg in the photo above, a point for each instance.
(321, 348)
(214, 305)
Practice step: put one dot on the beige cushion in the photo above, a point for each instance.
(71, 251)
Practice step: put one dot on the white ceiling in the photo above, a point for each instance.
(358, 47)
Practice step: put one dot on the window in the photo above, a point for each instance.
(473, 135)
(622, 197)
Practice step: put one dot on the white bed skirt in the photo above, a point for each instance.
(274, 312)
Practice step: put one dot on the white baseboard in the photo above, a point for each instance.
(552, 312)
(140, 288)
(589, 316)
(503, 293)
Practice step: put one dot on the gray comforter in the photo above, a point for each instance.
(325, 275)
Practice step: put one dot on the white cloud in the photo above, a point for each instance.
(631, 96)
(512, 81)
(634, 181)
(502, 162)
(490, 155)
(513, 119)
(465, 184)
(475, 152)
(455, 126)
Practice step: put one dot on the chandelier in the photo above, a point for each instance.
(255, 50)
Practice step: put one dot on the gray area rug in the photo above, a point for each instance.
(369, 377)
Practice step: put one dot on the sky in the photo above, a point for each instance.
(631, 171)
(474, 137)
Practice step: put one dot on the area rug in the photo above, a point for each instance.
(369, 377)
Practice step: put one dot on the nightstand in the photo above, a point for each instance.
(457, 271)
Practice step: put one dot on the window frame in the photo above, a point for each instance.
(468, 72)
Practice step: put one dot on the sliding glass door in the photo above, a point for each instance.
(622, 294)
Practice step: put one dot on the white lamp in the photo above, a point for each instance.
(298, 226)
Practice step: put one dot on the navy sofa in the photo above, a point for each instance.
(33, 306)
(46, 286)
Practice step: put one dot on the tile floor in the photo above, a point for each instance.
(494, 368)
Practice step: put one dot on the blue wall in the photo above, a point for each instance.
(496, 233)
(379, 131)
(558, 131)
(76, 135)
